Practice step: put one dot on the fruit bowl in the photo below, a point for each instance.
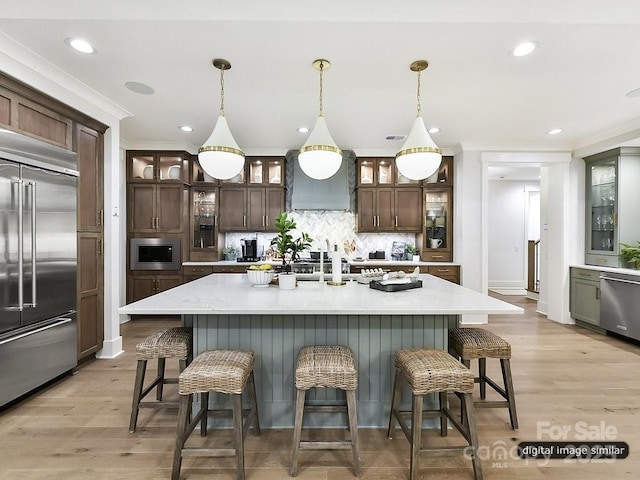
(260, 278)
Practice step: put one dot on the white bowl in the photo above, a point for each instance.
(147, 172)
(260, 278)
(174, 172)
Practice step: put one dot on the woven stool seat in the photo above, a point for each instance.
(430, 371)
(165, 343)
(328, 366)
(472, 343)
(223, 371)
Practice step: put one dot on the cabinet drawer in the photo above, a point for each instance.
(197, 271)
(450, 273)
(586, 274)
(436, 256)
(229, 269)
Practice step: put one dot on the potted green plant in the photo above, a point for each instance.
(412, 252)
(287, 247)
(230, 252)
(631, 254)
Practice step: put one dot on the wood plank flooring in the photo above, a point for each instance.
(77, 428)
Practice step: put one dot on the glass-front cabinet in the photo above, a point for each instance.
(437, 228)
(374, 171)
(612, 203)
(265, 172)
(204, 231)
(157, 166)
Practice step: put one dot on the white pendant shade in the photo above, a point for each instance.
(220, 156)
(320, 157)
(419, 157)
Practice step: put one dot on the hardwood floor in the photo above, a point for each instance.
(77, 428)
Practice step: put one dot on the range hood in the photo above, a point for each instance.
(330, 194)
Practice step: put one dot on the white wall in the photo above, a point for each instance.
(508, 218)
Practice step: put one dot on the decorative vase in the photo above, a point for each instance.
(287, 281)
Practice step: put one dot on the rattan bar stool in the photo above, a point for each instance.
(326, 366)
(472, 343)
(162, 344)
(224, 371)
(433, 371)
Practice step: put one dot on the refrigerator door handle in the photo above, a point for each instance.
(37, 330)
(20, 245)
(33, 245)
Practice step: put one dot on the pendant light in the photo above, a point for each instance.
(220, 156)
(419, 157)
(320, 157)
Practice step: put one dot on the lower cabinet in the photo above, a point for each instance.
(230, 269)
(140, 286)
(584, 303)
(193, 273)
(450, 272)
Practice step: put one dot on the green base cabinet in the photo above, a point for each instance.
(585, 295)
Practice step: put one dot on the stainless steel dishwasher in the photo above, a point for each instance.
(620, 304)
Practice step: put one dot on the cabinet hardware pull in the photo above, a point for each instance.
(100, 217)
(597, 293)
(263, 220)
(443, 270)
(244, 220)
(378, 220)
(157, 223)
(436, 256)
(374, 220)
(266, 224)
(215, 220)
(425, 221)
(99, 246)
(396, 220)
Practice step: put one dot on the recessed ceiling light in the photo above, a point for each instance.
(525, 48)
(554, 131)
(140, 88)
(434, 130)
(634, 93)
(80, 45)
(185, 128)
(303, 129)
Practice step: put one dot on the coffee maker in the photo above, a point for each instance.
(249, 250)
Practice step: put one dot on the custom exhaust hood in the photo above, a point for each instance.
(334, 193)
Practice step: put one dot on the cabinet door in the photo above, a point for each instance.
(165, 282)
(408, 209)
(450, 273)
(366, 209)
(139, 287)
(444, 175)
(90, 166)
(255, 209)
(90, 294)
(204, 212)
(585, 301)
(142, 208)
(232, 210)
(385, 206)
(169, 208)
(438, 225)
(274, 205)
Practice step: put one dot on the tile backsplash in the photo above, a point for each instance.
(338, 227)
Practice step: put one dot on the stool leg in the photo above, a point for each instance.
(161, 363)
(204, 401)
(183, 414)
(466, 363)
(297, 430)
(353, 427)
(482, 374)
(505, 363)
(416, 434)
(237, 433)
(253, 401)
(182, 363)
(395, 401)
(444, 421)
(467, 402)
(137, 392)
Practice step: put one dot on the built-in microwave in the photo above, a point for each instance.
(155, 254)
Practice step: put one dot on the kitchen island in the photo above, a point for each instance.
(225, 311)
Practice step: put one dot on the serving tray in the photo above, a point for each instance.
(394, 287)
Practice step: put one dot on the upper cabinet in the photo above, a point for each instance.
(612, 204)
(148, 167)
(265, 172)
(444, 175)
(381, 171)
(438, 224)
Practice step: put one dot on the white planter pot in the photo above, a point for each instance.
(416, 258)
(287, 281)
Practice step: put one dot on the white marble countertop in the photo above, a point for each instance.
(363, 263)
(232, 294)
(625, 271)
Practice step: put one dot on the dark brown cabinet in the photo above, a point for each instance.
(204, 223)
(437, 232)
(155, 208)
(254, 205)
(381, 171)
(444, 176)
(90, 284)
(389, 209)
(140, 286)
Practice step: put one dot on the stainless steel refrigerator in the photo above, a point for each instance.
(37, 264)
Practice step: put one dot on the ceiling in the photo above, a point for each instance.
(475, 90)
